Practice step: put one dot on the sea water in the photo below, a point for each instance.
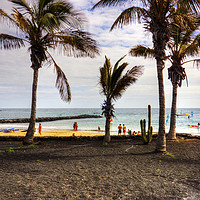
(129, 116)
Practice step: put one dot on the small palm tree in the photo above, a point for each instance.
(44, 25)
(113, 84)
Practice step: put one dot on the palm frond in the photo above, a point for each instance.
(192, 5)
(170, 46)
(20, 20)
(116, 75)
(8, 18)
(103, 80)
(105, 77)
(128, 16)
(77, 43)
(129, 78)
(22, 3)
(117, 63)
(62, 84)
(50, 22)
(196, 63)
(10, 42)
(194, 47)
(104, 3)
(60, 13)
(184, 20)
(140, 50)
(113, 83)
(108, 68)
(4, 15)
(43, 3)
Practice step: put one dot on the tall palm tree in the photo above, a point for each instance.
(184, 41)
(113, 84)
(155, 14)
(45, 25)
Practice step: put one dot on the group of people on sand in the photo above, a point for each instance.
(122, 129)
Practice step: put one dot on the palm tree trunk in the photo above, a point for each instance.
(172, 130)
(159, 29)
(107, 137)
(161, 140)
(31, 129)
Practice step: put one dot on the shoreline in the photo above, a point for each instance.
(88, 129)
(72, 133)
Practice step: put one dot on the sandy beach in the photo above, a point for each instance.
(72, 133)
(53, 133)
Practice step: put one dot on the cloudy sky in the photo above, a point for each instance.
(83, 73)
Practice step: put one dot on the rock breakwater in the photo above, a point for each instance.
(46, 119)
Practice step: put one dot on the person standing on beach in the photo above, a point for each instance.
(119, 129)
(75, 126)
(40, 129)
(124, 129)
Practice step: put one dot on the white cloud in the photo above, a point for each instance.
(82, 73)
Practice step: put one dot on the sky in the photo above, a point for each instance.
(83, 73)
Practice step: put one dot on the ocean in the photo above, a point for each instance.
(129, 116)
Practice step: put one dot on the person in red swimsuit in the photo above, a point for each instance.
(119, 129)
(40, 129)
(124, 129)
(75, 126)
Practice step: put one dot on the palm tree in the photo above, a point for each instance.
(113, 84)
(155, 14)
(184, 41)
(45, 25)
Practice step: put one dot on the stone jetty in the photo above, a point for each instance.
(47, 119)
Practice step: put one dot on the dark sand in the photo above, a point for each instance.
(125, 169)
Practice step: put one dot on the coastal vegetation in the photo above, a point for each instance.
(156, 17)
(46, 25)
(113, 84)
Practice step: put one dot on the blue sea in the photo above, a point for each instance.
(129, 116)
